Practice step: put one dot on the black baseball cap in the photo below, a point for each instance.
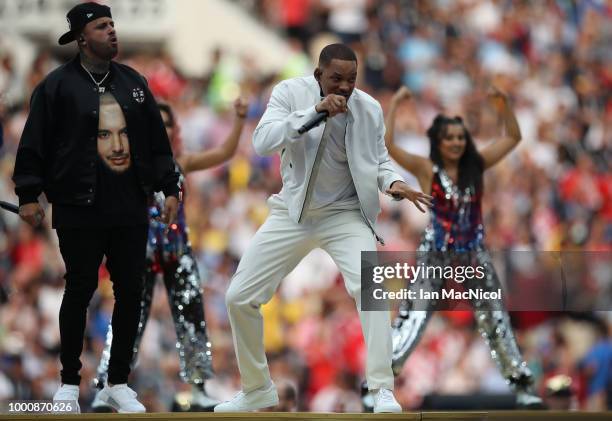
(79, 16)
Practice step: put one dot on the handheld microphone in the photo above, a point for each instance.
(314, 122)
(9, 207)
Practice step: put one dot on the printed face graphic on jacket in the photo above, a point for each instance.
(113, 141)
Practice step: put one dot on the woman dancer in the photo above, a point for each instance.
(453, 176)
(169, 255)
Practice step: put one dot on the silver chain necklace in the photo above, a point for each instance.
(101, 89)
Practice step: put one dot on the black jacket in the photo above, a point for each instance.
(57, 152)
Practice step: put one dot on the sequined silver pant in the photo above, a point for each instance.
(491, 318)
(182, 283)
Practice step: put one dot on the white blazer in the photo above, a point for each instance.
(291, 105)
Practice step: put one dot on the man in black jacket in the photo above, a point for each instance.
(95, 144)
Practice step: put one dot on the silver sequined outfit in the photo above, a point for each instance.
(456, 232)
(169, 255)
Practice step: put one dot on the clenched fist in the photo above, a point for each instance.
(32, 213)
(333, 104)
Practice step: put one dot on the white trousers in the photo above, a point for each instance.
(277, 247)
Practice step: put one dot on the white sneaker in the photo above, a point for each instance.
(525, 400)
(68, 392)
(200, 399)
(98, 405)
(121, 398)
(256, 399)
(384, 401)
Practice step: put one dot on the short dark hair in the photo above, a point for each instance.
(336, 51)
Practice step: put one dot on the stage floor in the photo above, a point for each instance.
(285, 416)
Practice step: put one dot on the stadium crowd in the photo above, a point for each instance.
(553, 193)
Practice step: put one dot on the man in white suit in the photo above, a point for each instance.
(331, 177)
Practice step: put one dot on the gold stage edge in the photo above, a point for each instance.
(287, 416)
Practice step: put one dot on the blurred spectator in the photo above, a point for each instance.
(347, 19)
(596, 366)
(554, 192)
(559, 395)
(295, 15)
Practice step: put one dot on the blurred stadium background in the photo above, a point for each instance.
(553, 193)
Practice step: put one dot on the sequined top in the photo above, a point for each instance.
(166, 247)
(456, 216)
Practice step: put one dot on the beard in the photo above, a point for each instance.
(104, 51)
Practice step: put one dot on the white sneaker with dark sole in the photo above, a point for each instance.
(255, 399)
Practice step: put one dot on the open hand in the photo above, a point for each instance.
(401, 94)
(497, 97)
(400, 190)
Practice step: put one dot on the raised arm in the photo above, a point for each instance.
(207, 159)
(279, 125)
(390, 182)
(419, 166)
(493, 153)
